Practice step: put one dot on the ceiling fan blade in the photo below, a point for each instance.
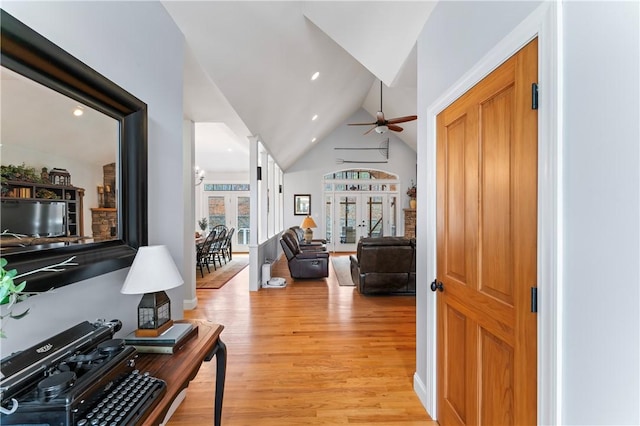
(361, 124)
(394, 127)
(403, 119)
(369, 131)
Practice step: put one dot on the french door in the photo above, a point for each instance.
(351, 216)
(231, 210)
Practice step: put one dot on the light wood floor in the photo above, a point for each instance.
(313, 353)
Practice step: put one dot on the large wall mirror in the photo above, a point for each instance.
(74, 157)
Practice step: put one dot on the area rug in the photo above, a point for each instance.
(342, 266)
(216, 279)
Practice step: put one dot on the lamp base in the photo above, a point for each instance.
(154, 332)
(308, 235)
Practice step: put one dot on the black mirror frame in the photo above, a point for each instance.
(28, 53)
(297, 212)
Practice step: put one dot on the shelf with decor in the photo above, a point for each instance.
(16, 195)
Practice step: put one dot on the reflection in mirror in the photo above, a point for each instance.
(27, 53)
(59, 168)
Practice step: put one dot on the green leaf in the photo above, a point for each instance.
(18, 316)
(20, 287)
(3, 262)
(22, 297)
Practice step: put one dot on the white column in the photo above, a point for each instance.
(190, 300)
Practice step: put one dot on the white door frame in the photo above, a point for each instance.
(231, 212)
(545, 23)
(361, 203)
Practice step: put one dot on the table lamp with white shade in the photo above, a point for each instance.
(153, 271)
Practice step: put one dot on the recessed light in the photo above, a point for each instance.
(78, 111)
(314, 117)
(229, 150)
(315, 75)
(313, 140)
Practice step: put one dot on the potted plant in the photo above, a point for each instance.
(12, 293)
(202, 223)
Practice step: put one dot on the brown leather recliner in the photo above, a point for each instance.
(385, 265)
(303, 264)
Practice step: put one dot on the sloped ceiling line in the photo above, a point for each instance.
(256, 60)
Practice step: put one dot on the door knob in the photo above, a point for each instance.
(437, 285)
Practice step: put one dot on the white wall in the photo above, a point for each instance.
(601, 315)
(306, 175)
(599, 309)
(108, 36)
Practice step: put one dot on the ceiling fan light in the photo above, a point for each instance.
(381, 129)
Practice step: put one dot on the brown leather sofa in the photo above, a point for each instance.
(304, 264)
(385, 265)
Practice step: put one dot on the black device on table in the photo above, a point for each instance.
(81, 376)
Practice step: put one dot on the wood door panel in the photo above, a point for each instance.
(487, 249)
(496, 246)
(455, 347)
(455, 260)
(497, 380)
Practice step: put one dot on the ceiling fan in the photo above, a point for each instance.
(381, 125)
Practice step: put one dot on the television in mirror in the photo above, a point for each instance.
(33, 218)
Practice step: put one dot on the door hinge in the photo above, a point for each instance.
(534, 300)
(534, 96)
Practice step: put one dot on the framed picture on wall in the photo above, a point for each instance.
(302, 204)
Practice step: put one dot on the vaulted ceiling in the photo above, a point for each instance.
(248, 68)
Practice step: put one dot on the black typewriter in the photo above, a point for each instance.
(82, 376)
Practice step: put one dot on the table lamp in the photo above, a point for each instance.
(152, 272)
(307, 224)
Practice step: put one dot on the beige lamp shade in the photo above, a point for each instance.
(308, 222)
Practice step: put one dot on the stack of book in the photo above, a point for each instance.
(168, 342)
(24, 192)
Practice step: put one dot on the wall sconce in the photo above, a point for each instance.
(199, 176)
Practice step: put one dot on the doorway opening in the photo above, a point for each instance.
(228, 205)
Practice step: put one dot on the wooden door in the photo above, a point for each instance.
(486, 236)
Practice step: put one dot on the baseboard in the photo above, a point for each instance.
(187, 305)
(421, 390)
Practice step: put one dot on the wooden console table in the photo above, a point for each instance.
(181, 367)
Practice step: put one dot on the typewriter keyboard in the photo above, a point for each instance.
(127, 403)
